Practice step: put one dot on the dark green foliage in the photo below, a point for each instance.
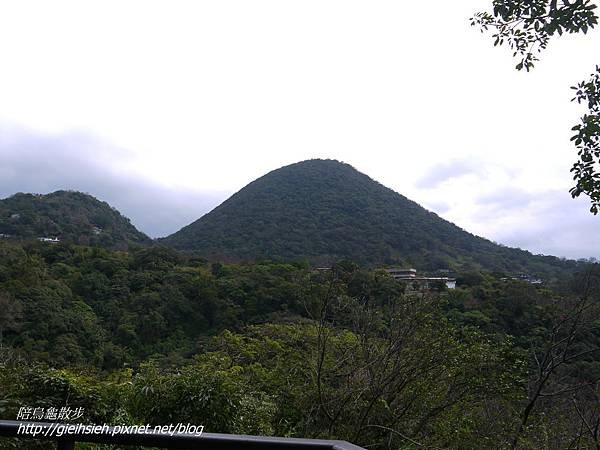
(87, 305)
(324, 211)
(526, 26)
(361, 386)
(559, 337)
(264, 382)
(587, 138)
(155, 336)
(211, 392)
(70, 216)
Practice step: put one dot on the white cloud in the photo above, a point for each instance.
(445, 171)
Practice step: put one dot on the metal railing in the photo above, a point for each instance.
(206, 441)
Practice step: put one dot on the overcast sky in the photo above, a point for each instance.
(164, 109)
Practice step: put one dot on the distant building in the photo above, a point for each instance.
(529, 279)
(402, 274)
(526, 278)
(421, 282)
(49, 240)
(449, 282)
(4, 236)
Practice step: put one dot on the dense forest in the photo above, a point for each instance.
(155, 336)
(69, 216)
(323, 211)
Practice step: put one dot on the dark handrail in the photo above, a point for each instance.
(212, 441)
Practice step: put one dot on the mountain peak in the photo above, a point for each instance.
(324, 210)
(69, 216)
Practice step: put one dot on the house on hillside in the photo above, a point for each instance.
(402, 274)
(49, 240)
(422, 283)
(524, 277)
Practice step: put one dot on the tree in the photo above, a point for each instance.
(527, 26)
(388, 370)
(10, 314)
(564, 372)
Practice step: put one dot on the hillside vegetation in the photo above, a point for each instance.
(155, 336)
(70, 216)
(323, 211)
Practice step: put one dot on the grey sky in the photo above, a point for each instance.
(444, 171)
(182, 104)
(42, 163)
(550, 222)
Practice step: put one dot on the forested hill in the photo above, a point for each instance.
(325, 210)
(70, 216)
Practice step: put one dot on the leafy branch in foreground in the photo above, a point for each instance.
(587, 139)
(526, 26)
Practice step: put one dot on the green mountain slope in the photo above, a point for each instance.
(69, 216)
(324, 210)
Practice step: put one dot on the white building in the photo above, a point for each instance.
(424, 282)
(49, 240)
